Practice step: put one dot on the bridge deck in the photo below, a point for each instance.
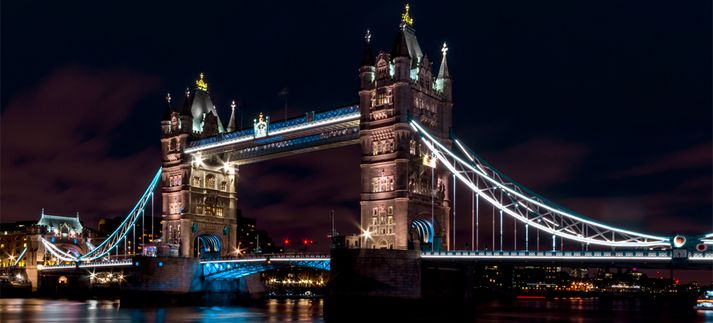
(314, 130)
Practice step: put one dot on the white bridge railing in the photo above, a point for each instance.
(111, 263)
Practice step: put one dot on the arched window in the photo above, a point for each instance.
(210, 181)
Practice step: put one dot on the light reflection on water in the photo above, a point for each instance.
(311, 310)
(41, 310)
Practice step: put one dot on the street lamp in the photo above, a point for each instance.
(366, 234)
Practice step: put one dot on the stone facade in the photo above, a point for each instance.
(199, 192)
(399, 184)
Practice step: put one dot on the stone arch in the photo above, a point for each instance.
(421, 234)
(207, 245)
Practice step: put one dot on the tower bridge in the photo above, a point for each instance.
(411, 166)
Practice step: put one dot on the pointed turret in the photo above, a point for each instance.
(400, 47)
(367, 58)
(168, 110)
(186, 115)
(366, 71)
(443, 71)
(231, 123)
(198, 104)
(443, 82)
(406, 48)
(166, 127)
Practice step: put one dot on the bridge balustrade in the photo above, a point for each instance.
(573, 254)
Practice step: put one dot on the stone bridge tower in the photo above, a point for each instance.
(404, 195)
(199, 198)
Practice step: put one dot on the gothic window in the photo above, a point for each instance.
(210, 181)
(391, 230)
(172, 145)
(375, 212)
(390, 210)
(383, 99)
(373, 220)
(382, 220)
(219, 211)
(375, 147)
(196, 181)
(390, 219)
(382, 69)
(223, 186)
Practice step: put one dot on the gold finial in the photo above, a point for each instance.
(367, 37)
(444, 50)
(168, 97)
(233, 105)
(201, 84)
(406, 18)
(261, 117)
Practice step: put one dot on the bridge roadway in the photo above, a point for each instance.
(656, 258)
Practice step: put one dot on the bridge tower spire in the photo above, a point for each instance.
(399, 179)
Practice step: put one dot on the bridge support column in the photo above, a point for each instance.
(366, 273)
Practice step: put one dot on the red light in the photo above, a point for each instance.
(305, 242)
(287, 241)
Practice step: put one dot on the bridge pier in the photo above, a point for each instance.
(362, 273)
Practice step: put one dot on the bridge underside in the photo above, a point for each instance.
(227, 270)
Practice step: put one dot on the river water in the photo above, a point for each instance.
(311, 310)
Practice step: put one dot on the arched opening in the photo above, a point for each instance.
(62, 280)
(206, 246)
(422, 235)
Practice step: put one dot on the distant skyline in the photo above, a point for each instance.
(603, 107)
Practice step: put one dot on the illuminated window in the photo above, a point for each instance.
(219, 211)
(390, 210)
(172, 145)
(383, 98)
(210, 181)
(223, 186)
(375, 147)
(196, 181)
(373, 220)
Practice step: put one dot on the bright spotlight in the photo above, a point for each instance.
(366, 234)
(198, 159)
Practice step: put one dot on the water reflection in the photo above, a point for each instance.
(40, 310)
(311, 310)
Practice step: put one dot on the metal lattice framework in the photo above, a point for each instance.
(518, 202)
(241, 267)
(116, 237)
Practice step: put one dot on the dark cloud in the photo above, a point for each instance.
(540, 162)
(292, 197)
(57, 145)
(698, 156)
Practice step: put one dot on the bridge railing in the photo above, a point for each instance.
(697, 255)
(107, 263)
(268, 256)
(663, 254)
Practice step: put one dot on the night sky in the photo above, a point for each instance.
(602, 106)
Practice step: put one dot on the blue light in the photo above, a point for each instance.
(52, 239)
(136, 264)
(160, 263)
